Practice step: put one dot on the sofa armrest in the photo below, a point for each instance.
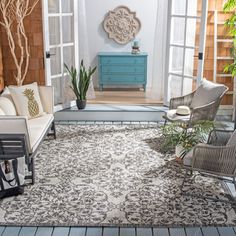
(15, 125)
(47, 98)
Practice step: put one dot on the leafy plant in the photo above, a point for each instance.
(179, 134)
(229, 6)
(80, 83)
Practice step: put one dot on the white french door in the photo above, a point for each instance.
(185, 46)
(61, 46)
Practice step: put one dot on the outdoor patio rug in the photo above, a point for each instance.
(112, 175)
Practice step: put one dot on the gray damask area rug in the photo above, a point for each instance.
(112, 175)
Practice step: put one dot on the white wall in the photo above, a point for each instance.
(98, 41)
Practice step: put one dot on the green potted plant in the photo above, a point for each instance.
(183, 139)
(230, 6)
(80, 83)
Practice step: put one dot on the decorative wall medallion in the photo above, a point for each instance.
(121, 24)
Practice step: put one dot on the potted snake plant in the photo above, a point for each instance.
(80, 83)
(182, 138)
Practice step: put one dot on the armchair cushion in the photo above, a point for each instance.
(232, 140)
(7, 106)
(172, 116)
(206, 93)
(27, 100)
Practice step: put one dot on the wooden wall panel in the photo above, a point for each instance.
(1, 72)
(34, 30)
(223, 48)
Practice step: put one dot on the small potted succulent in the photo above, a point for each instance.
(183, 139)
(80, 83)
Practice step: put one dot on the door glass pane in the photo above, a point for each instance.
(67, 29)
(57, 84)
(179, 7)
(177, 30)
(192, 34)
(176, 60)
(53, 6)
(187, 86)
(54, 30)
(67, 6)
(68, 56)
(55, 61)
(189, 62)
(67, 91)
(192, 7)
(175, 86)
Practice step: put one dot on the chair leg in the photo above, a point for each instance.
(54, 130)
(33, 171)
(234, 182)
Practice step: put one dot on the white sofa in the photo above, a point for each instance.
(14, 128)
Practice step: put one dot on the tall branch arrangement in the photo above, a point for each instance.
(14, 13)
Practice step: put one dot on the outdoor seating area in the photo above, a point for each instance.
(117, 118)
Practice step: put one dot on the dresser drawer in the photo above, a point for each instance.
(123, 79)
(123, 69)
(122, 60)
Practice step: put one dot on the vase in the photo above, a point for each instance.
(81, 104)
(179, 151)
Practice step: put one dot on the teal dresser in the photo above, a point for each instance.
(122, 69)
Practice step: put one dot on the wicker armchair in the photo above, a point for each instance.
(205, 112)
(217, 159)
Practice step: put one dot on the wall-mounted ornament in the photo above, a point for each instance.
(121, 24)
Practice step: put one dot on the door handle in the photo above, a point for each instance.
(48, 54)
(199, 56)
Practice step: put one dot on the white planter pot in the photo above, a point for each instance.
(179, 150)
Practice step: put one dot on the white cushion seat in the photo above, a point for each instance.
(2, 113)
(171, 115)
(38, 128)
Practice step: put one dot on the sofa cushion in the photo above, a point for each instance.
(2, 112)
(6, 93)
(38, 128)
(206, 93)
(27, 100)
(7, 106)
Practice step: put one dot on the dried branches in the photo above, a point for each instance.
(13, 14)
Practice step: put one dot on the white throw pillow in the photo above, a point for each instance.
(27, 100)
(206, 93)
(7, 106)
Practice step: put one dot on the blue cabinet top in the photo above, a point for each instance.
(121, 54)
